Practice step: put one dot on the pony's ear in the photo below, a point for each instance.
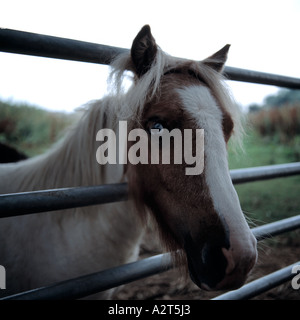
(143, 51)
(218, 59)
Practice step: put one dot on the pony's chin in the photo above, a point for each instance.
(198, 282)
(201, 282)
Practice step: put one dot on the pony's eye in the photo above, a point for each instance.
(155, 125)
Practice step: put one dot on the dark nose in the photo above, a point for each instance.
(207, 263)
(218, 264)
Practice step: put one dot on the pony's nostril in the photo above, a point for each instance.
(214, 262)
(230, 261)
(207, 263)
(213, 255)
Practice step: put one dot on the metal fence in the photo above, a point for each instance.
(13, 41)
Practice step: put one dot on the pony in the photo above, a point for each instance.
(198, 217)
(10, 154)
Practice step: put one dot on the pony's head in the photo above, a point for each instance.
(199, 213)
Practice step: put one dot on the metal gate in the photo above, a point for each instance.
(48, 200)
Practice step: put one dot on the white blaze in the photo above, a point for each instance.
(201, 105)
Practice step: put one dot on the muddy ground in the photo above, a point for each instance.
(274, 254)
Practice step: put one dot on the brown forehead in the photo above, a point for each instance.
(168, 105)
(185, 74)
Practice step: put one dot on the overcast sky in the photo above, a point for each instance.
(264, 36)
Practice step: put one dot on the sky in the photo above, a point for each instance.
(264, 36)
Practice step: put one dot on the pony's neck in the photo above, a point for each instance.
(78, 150)
(72, 161)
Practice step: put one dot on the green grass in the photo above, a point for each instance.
(269, 200)
(30, 129)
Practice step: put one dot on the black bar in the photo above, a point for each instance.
(21, 42)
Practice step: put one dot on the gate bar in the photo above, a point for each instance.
(59, 199)
(99, 281)
(66, 198)
(260, 285)
(107, 279)
(275, 228)
(28, 43)
(41, 45)
(259, 77)
(264, 172)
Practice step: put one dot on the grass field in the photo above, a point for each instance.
(269, 200)
(30, 129)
